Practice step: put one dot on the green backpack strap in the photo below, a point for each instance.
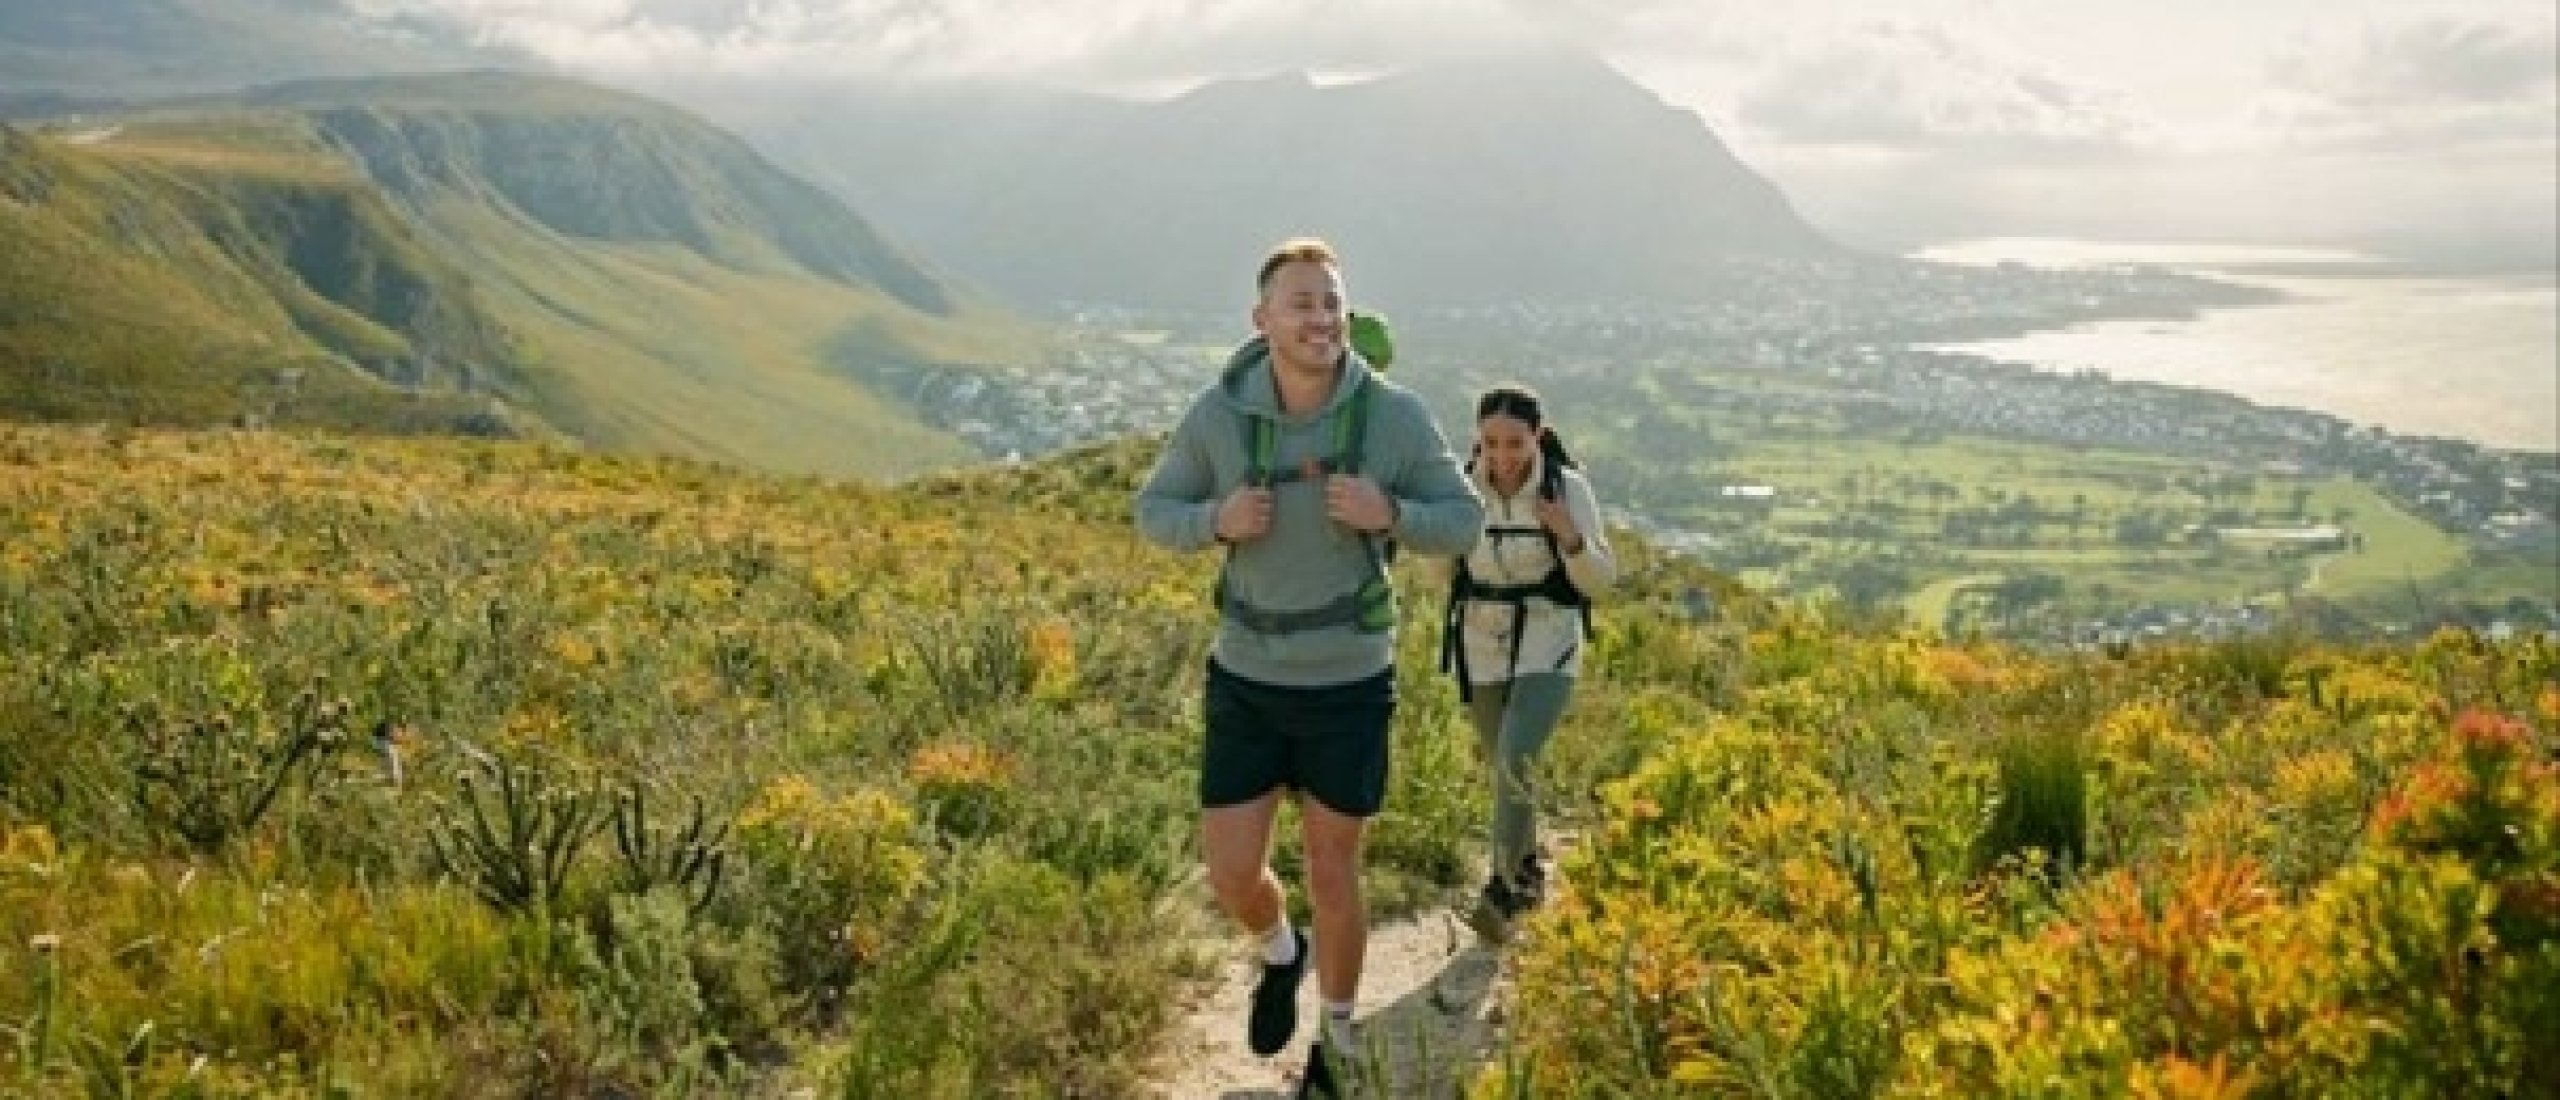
(1261, 440)
(1376, 597)
(1351, 429)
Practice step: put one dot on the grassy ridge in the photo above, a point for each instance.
(142, 295)
(489, 252)
(648, 347)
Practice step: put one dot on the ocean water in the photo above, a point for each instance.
(2475, 359)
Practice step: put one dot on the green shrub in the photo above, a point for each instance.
(2043, 802)
(514, 831)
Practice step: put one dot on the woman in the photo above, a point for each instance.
(1518, 622)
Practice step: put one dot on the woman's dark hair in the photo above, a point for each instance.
(1521, 403)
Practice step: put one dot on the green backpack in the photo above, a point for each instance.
(1370, 338)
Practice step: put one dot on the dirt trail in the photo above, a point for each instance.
(1430, 1005)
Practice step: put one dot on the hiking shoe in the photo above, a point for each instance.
(1318, 1084)
(1532, 879)
(1494, 909)
(1275, 1002)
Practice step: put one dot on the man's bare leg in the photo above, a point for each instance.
(1333, 889)
(1235, 843)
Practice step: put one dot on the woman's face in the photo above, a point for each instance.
(1506, 444)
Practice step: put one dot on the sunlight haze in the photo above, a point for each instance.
(2423, 129)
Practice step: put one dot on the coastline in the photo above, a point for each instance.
(2368, 340)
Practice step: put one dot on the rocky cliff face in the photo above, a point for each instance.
(596, 165)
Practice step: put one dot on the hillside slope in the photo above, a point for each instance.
(215, 286)
(610, 268)
(458, 768)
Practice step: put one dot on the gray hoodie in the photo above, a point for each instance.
(1306, 560)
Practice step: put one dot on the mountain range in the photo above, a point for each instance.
(504, 251)
(1546, 176)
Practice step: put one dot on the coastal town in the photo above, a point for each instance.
(1844, 346)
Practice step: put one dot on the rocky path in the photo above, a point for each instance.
(1430, 1006)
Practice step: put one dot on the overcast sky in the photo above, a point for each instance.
(2263, 120)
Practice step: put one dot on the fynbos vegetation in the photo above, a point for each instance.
(443, 768)
(1897, 868)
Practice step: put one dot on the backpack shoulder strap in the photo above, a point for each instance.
(1261, 439)
(1559, 583)
(1550, 488)
(1351, 429)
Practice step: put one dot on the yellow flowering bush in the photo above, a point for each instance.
(837, 870)
(968, 786)
(2340, 888)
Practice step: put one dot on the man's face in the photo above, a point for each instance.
(1301, 314)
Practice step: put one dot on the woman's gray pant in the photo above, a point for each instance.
(1513, 721)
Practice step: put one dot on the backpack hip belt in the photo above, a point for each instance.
(1369, 607)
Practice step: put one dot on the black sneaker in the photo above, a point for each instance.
(1494, 908)
(1275, 1002)
(1532, 881)
(1318, 1084)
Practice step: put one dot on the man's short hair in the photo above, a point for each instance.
(1293, 250)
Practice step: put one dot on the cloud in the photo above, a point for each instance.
(725, 35)
(1125, 41)
(2429, 61)
(1919, 89)
(1686, 30)
(1205, 41)
(2177, 117)
(2431, 82)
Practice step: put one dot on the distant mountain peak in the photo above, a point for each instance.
(1534, 174)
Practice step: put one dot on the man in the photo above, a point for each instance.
(1300, 460)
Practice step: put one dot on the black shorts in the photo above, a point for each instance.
(1329, 742)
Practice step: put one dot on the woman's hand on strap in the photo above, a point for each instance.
(1558, 520)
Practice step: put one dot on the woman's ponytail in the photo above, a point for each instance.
(1551, 448)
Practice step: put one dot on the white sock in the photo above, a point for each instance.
(1282, 948)
(1337, 1024)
